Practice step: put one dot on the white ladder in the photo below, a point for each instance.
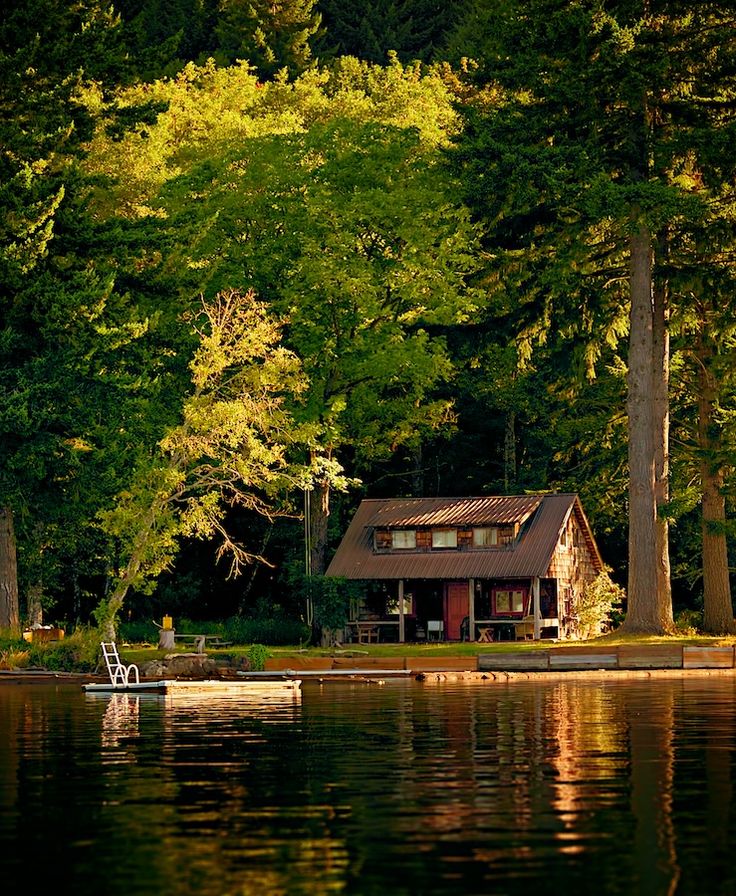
(120, 674)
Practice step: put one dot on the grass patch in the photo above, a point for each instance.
(443, 648)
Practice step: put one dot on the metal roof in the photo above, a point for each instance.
(541, 517)
(454, 511)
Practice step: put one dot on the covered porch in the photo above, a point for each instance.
(483, 610)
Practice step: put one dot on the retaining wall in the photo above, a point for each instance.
(624, 657)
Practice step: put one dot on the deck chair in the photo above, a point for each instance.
(120, 674)
(525, 629)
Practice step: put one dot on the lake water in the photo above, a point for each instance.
(558, 787)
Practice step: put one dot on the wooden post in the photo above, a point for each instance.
(471, 609)
(536, 608)
(166, 638)
(401, 611)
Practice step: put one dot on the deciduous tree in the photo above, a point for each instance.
(231, 448)
(344, 221)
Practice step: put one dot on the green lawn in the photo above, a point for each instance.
(139, 653)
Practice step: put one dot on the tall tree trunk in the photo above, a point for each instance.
(9, 607)
(509, 453)
(647, 611)
(661, 407)
(718, 610)
(34, 608)
(319, 509)
(417, 472)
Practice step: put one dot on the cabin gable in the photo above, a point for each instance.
(468, 563)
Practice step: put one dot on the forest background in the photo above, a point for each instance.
(259, 260)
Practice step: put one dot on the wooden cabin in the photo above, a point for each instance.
(482, 569)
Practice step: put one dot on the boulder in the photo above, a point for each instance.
(180, 665)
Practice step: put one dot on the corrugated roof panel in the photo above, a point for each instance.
(455, 511)
(529, 556)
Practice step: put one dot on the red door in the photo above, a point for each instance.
(456, 608)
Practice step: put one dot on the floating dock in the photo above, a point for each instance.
(176, 686)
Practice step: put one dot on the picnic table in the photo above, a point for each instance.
(200, 641)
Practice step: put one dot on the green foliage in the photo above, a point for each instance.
(331, 599)
(272, 627)
(600, 600)
(138, 632)
(270, 36)
(274, 630)
(163, 35)
(11, 642)
(105, 617)
(353, 234)
(77, 652)
(327, 193)
(231, 448)
(689, 623)
(371, 29)
(67, 396)
(257, 656)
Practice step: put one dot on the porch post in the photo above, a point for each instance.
(401, 611)
(537, 608)
(471, 609)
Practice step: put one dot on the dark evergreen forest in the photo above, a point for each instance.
(261, 260)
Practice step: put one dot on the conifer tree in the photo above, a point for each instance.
(269, 34)
(413, 29)
(51, 289)
(576, 168)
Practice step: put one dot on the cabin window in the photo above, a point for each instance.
(444, 538)
(485, 537)
(404, 539)
(509, 601)
(393, 605)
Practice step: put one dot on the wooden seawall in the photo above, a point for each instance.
(625, 658)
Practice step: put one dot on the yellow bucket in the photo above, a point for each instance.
(168, 622)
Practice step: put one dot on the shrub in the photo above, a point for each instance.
(12, 658)
(257, 656)
(689, 622)
(272, 631)
(79, 652)
(600, 599)
(138, 632)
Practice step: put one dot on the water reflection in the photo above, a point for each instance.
(120, 719)
(592, 787)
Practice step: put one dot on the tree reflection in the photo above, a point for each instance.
(652, 778)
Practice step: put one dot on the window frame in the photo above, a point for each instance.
(403, 547)
(445, 530)
(486, 544)
(510, 613)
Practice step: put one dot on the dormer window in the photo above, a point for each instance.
(403, 539)
(444, 538)
(485, 537)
